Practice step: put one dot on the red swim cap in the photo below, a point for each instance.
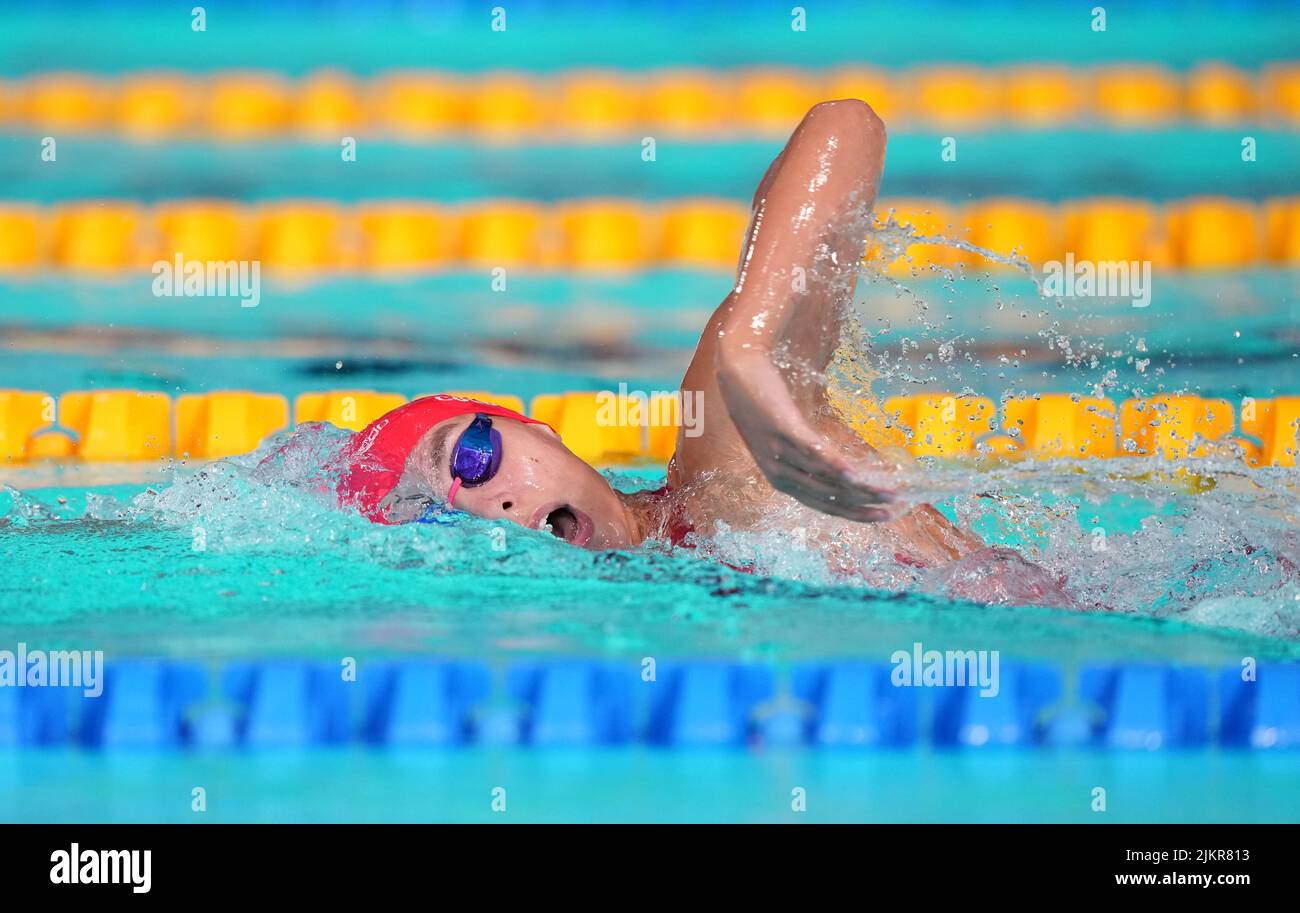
(376, 455)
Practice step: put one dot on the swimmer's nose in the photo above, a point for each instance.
(506, 503)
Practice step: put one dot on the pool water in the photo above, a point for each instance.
(638, 785)
(216, 562)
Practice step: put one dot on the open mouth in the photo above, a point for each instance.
(568, 523)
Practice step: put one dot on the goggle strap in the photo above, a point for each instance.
(451, 492)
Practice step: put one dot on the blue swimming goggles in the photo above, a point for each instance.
(475, 459)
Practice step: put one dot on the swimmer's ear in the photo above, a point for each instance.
(404, 505)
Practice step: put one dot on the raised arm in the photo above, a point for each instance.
(796, 277)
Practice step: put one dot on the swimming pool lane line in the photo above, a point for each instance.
(611, 428)
(182, 243)
(955, 700)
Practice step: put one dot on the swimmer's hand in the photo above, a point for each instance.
(839, 475)
(811, 214)
(1001, 576)
(795, 281)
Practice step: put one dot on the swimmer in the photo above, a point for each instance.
(766, 435)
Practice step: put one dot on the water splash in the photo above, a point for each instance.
(1203, 540)
(915, 348)
(280, 499)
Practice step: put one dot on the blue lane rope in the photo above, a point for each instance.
(176, 705)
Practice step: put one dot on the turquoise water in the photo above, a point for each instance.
(650, 786)
(219, 564)
(553, 331)
(548, 36)
(1159, 164)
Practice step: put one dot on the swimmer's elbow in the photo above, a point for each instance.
(852, 114)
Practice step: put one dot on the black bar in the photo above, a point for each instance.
(334, 862)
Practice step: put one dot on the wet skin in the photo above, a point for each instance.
(765, 436)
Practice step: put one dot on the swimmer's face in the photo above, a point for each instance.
(539, 484)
